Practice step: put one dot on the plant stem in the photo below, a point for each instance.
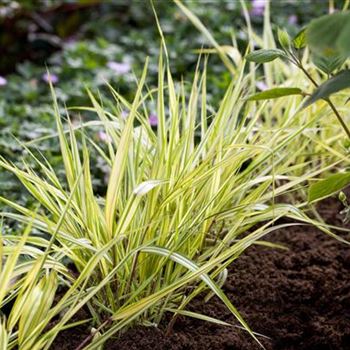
(340, 119)
(90, 337)
(334, 109)
(307, 74)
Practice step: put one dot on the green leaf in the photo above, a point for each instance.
(275, 93)
(337, 83)
(343, 42)
(263, 56)
(329, 35)
(299, 40)
(328, 186)
(283, 38)
(327, 64)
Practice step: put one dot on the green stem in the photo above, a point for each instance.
(334, 109)
(307, 74)
(340, 119)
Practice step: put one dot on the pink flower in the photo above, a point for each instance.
(47, 77)
(70, 40)
(119, 67)
(258, 7)
(124, 114)
(153, 119)
(102, 136)
(3, 81)
(293, 19)
(261, 85)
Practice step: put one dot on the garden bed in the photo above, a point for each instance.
(299, 298)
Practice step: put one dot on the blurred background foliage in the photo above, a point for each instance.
(86, 43)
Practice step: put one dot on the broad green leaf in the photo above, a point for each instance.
(263, 56)
(327, 64)
(299, 40)
(328, 186)
(275, 93)
(343, 42)
(337, 83)
(283, 38)
(329, 35)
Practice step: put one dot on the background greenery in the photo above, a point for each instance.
(78, 40)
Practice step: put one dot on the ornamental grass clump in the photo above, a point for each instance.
(190, 187)
(177, 202)
(29, 278)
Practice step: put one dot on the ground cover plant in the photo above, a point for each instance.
(188, 191)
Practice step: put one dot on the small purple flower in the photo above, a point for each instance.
(47, 77)
(258, 7)
(293, 19)
(153, 119)
(124, 115)
(70, 40)
(3, 81)
(261, 85)
(119, 67)
(102, 136)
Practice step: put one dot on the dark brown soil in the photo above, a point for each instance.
(299, 298)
